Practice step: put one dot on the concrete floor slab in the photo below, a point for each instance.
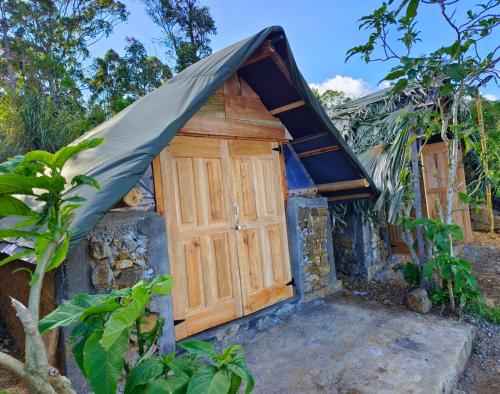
(347, 345)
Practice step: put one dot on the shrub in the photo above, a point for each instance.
(105, 324)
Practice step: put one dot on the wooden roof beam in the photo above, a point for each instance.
(308, 138)
(267, 50)
(345, 185)
(350, 197)
(318, 151)
(287, 107)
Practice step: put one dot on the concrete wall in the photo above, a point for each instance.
(361, 247)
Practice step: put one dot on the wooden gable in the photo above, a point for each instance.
(235, 111)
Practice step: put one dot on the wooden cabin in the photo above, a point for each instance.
(217, 137)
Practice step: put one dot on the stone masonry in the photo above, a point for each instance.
(361, 247)
(313, 266)
(119, 256)
(124, 248)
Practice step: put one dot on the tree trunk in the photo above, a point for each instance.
(484, 139)
(11, 76)
(415, 169)
(453, 145)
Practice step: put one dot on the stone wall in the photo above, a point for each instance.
(124, 247)
(361, 247)
(310, 239)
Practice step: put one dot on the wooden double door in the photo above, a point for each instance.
(227, 238)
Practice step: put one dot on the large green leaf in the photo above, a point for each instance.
(15, 183)
(79, 335)
(20, 233)
(104, 367)
(411, 11)
(17, 256)
(123, 318)
(11, 206)
(60, 254)
(69, 312)
(239, 367)
(85, 180)
(199, 348)
(67, 152)
(207, 380)
(162, 285)
(160, 385)
(143, 373)
(39, 155)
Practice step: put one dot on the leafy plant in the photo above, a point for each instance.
(411, 274)
(33, 191)
(104, 324)
(454, 282)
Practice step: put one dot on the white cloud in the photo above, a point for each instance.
(491, 97)
(384, 84)
(352, 87)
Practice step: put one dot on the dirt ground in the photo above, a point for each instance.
(482, 373)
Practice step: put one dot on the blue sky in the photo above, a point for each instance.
(320, 32)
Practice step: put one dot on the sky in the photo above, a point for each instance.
(319, 31)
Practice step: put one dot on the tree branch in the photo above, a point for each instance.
(36, 359)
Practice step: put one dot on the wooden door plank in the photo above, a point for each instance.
(202, 260)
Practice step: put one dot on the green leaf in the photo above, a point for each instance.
(170, 385)
(69, 312)
(123, 318)
(15, 183)
(143, 373)
(79, 335)
(162, 285)
(104, 367)
(456, 232)
(14, 257)
(207, 380)
(455, 71)
(399, 86)
(41, 245)
(60, 255)
(67, 152)
(199, 348)
(395, 74)
(239, 367)
(235, 384)
(74, 199)
(107, 305)
(11, 233)
(411, 11)
(85, 180)
(11, 206)
(39, 155)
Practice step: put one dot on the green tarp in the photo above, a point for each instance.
(135, 136)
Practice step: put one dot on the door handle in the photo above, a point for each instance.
(238, 226)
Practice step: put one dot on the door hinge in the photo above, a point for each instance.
(278, 149)
(291, 283)
(180, 321)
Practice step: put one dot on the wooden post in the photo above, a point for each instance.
(484, 139)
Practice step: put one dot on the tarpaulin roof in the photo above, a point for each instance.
(135, 136)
